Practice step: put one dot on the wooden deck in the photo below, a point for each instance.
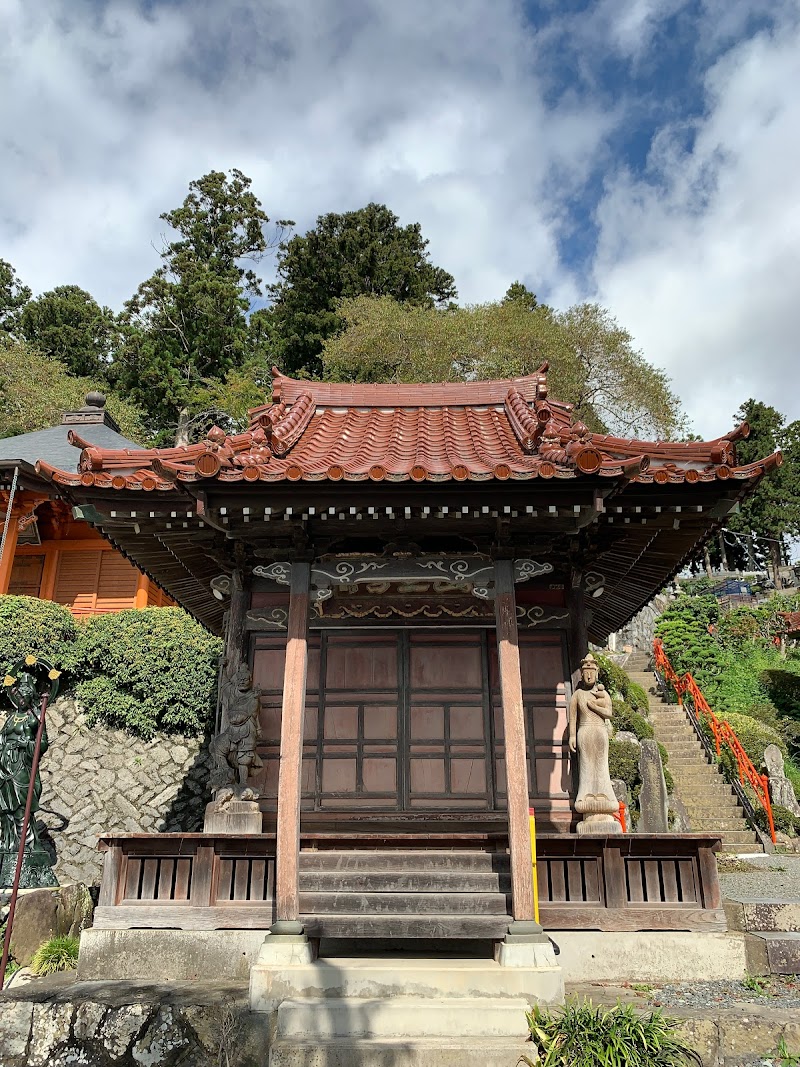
(373, 885)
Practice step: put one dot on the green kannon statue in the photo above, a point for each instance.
(17, 744)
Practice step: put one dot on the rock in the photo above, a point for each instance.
(679, 822)
(45, 913)
(789, 844)
(50, 1028)
(20, 977)
(781, 790)
(34, 923)
(121, 1027)
(87, 1020)
(15, 1028)
(626, 735)
(653, 801)
(163, 1036)
(74, 911)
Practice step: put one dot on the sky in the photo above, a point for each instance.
(644, 154)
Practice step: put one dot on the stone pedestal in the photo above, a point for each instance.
(232, 817)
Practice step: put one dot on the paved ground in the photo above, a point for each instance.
(775, 877)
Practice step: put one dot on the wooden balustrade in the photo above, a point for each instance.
(207, 882)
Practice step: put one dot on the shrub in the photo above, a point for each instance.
(147, 670)
(28, 624)
(755, 736)
(623, 761)
(785, 821)
(57, 954)
(617, 681)
(582, 1034)
(625, 718)
(783, 687)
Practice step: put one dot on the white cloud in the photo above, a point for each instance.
(700, 261)
(444, 111)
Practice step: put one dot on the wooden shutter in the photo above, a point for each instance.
(116, 588)
(26, 575)
(76, 581)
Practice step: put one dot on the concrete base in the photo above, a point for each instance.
(656, 956)
(286, 950)
(168, 955)
(534, 956)
(387, 977)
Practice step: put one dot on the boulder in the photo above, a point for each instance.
(45, 913)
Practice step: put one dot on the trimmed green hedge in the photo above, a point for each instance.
(623, 762)
(142, 671)
(148, 670)
(28, 624)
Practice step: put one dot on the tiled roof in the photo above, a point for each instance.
(477, 431)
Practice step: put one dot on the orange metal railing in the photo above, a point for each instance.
(722, 732)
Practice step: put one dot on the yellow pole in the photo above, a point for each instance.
(532, 819)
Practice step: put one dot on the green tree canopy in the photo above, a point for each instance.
(364, 252)
(35, 390)
(187, 324)
(13, 297)
(69, 325)
(593, 362)
(772, 512)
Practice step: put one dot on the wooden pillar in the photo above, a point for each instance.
(9, 549)
(291, 762)
(578, 630)
(47, 587)
(142, 591)
(519, 831)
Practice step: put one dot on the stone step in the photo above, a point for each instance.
(738, 837)
(714, 823)
(782, 951)
(691, 755)
(754, 915)
(700, 810)
(389, 1052)
(325, 1018)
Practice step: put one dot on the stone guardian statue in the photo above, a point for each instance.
(589, 728)
(235, 806)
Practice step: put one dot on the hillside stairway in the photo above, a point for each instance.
(710, 802)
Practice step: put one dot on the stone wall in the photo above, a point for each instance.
(640, 630)
(96, 780)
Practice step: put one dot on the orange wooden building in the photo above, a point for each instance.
(47, 552)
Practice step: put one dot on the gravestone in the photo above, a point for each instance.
(653, 799)
(781, 790)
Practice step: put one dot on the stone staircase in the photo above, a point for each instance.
(711, 804)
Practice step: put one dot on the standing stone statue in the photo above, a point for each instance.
(17, 742)
(781, 790)
(235, 806)
(590, 713)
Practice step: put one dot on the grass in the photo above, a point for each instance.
(57, 954)
(756, 984)
(785, 1058)
(582, 1034)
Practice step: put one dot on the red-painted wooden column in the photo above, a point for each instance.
(519, 831)
(292, 714)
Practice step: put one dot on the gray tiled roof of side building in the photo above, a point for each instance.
(52, 445)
